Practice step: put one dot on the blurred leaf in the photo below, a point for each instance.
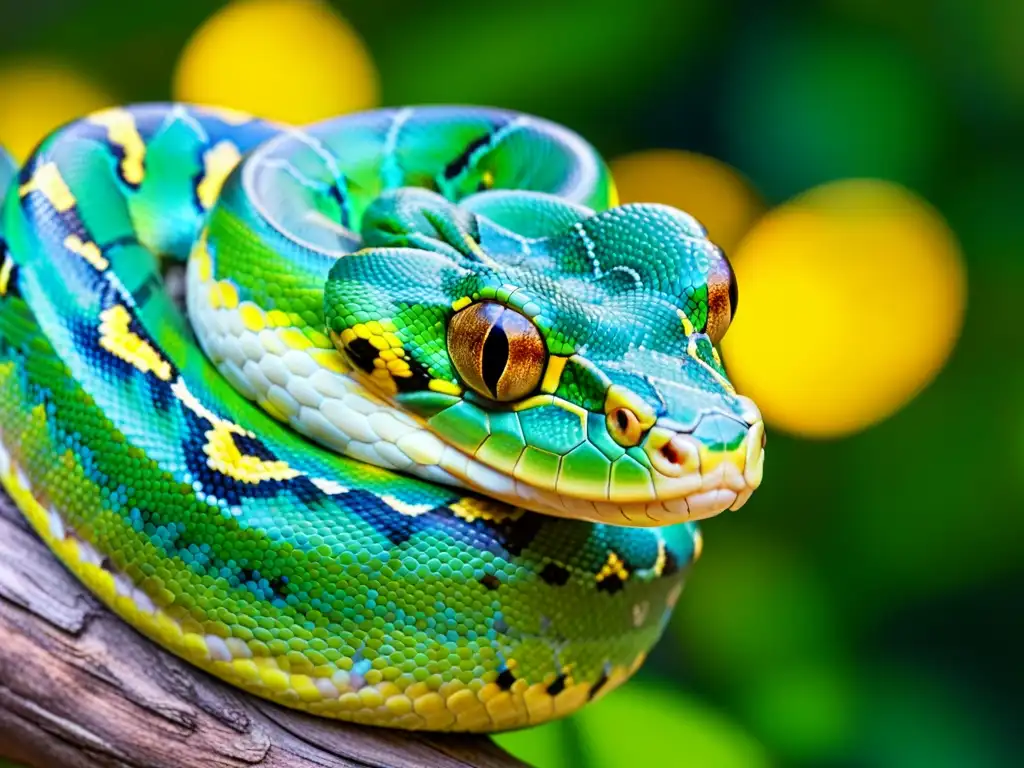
(536, 55)
(980, 41)
(913, 720)
(543, 746)
(931, 500)
(807, 105)
(643, 725)
(984, 200)
(134, 52)
(805, 712)
(751, 606)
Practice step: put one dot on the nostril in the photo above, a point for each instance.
(764, 438)
(677, 456)
(671, 453)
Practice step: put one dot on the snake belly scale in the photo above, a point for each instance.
(428, 454)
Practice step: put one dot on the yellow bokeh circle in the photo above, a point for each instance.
(851, 298)
(38, 96)
(719, 197)
(290, 60)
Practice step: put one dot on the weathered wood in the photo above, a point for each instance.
(79, 689)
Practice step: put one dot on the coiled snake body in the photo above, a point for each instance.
(512, 405)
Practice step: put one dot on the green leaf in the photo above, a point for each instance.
(545, 746)
(645, 724)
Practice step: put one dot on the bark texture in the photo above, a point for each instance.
(79, 688)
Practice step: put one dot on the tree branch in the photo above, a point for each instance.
(79, 688)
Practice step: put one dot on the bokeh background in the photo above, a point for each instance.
(861, 162)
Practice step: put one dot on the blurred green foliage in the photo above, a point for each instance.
(864, 608)
(852, 105)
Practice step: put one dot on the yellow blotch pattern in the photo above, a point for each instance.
(444, 387)
(117, 338)
(47, 180)
(87, 250)
(122, 132)
(226, 458)
(553, 373)
(391, 360)
(659, 563)
(5, 275)
(202, 260)
(223, 453)
(470, 508)
(612, 567)
(218, 162)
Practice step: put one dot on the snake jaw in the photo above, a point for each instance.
(701, 481)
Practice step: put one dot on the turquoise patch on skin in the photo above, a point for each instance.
(639, 455)
(551, 428)
(705, 351)
(597, 434)
(720, 433)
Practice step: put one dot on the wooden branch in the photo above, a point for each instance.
(79, 688)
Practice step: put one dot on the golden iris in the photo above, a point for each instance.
(496, 351)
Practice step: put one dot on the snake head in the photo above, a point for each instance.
(565, 357)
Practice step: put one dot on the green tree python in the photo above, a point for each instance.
(429, 451)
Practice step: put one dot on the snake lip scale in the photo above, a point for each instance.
(426, 451)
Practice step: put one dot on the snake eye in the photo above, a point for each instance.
(496, 351)
(723, 298)
(624, 427)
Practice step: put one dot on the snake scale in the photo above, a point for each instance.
(426, 451)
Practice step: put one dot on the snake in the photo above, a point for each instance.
(425, 443)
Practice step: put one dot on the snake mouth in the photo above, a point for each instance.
(677, 476)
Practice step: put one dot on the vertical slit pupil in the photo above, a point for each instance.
(622, 419)
(495, 357)
(734, 294)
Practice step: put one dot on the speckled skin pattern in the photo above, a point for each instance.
(427, 454)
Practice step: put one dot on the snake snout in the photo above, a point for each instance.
(713, 466)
